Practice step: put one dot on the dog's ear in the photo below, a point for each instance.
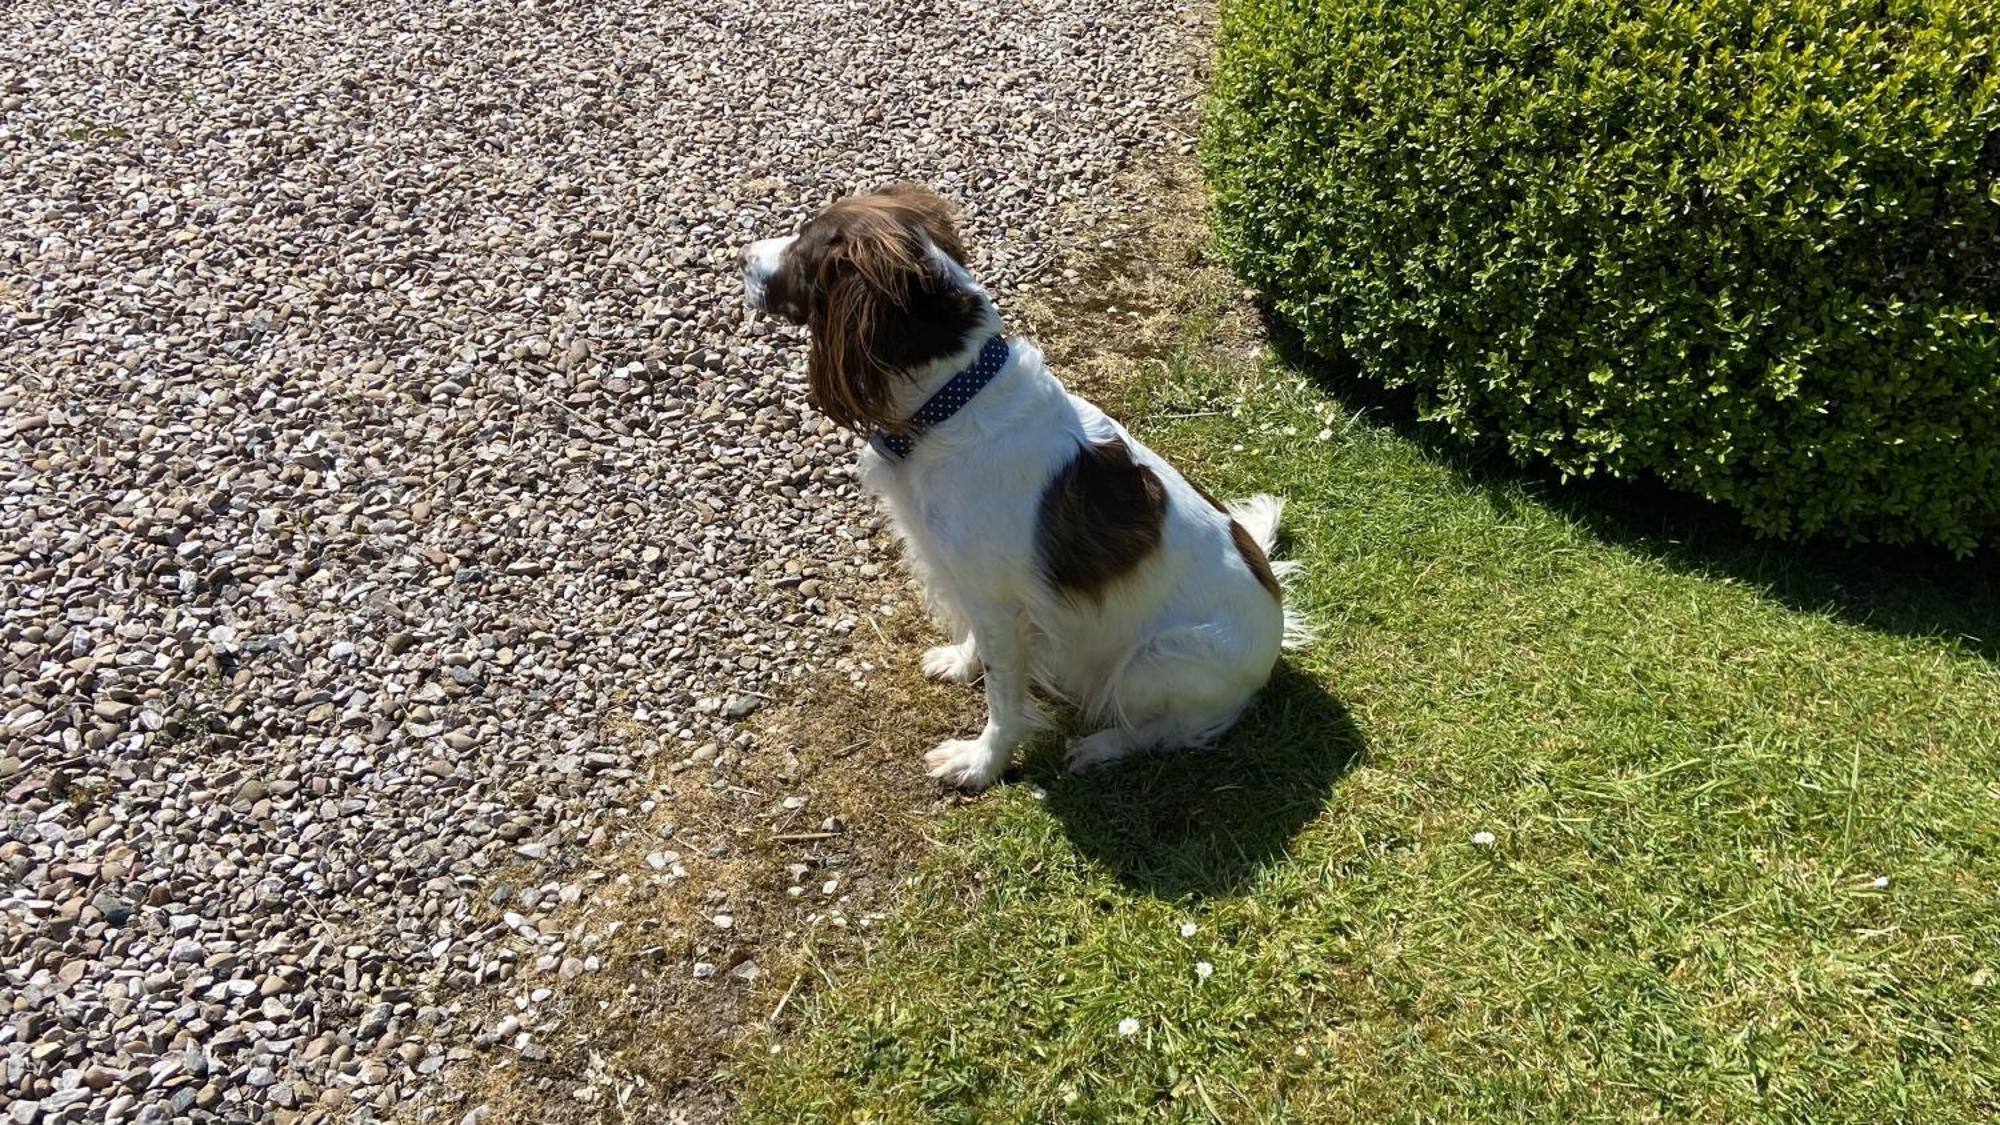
(882, 303)
(849, 382)
(931, 212)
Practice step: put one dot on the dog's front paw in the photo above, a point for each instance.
(953, 664)
(968, 763)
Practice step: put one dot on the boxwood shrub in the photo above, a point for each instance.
(1750, 247)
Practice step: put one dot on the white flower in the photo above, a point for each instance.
(1188, 929)
(1128, 1026)
(1038, 793)
(1202, 969)
(1881, 882)
(1482, 839)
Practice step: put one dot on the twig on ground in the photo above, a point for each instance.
(785, 999)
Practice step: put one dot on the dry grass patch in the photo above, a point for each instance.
(763, 879)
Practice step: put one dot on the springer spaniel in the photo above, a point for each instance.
(1054, 546)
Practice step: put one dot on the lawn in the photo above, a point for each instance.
(1584, 807)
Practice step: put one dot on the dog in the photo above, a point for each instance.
(1053, 546)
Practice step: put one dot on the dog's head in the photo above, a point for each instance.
(880, 281)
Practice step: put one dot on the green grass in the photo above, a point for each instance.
(1696, 755)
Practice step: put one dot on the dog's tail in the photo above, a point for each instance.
(1260, 515)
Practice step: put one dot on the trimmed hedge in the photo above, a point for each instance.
(1751, 247)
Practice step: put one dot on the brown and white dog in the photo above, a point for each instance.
(1054, 546)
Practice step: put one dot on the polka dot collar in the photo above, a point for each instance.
(948, 400)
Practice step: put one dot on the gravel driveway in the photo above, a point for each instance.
(379, 425)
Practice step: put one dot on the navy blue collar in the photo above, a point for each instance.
(946, 402)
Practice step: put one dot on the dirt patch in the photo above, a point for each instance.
(729, 900)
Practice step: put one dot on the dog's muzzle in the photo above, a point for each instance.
(760, 263)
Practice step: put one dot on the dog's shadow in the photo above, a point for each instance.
(1202, 823)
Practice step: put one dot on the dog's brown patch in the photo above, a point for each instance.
(1254, 558)
(1099, 519)
(1253, 555)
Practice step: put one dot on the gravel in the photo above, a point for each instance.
(392, 486)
